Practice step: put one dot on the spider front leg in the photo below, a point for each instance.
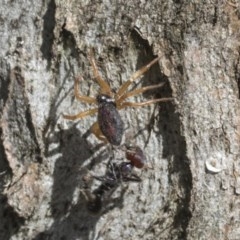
(134, 77)
(98, 133)
(141, 104)
(121, 104)
(81, 114)
(137, 91)
(105, 88)
(81, 97)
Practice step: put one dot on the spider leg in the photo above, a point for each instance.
(105, 88)
(97, 132)
(81, 114)
(140, 104)
(80, 97)
(135, 76)
(137, 91)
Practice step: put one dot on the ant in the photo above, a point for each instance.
(109, 126)
(115, 174)
(136, 156)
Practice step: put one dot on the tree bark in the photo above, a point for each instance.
(190, 189)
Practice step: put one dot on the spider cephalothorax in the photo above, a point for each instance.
(109, 126)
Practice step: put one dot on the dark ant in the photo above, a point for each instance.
(115, 174)
(109, 126)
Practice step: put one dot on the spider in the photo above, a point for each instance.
(109, 126)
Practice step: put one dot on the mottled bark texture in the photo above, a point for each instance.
(191, 188)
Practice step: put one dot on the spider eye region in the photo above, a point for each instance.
(109, 120)
(103, 98)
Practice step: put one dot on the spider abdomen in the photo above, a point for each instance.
(110, 122)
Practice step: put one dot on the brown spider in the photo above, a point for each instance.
(109, 126)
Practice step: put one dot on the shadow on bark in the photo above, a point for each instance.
(72, 221)
(10, 220)
(48, 32)
(174, 149)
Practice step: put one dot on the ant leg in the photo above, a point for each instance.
(80, 97)
(137, 91)
(81, 114)
(87, 194)
(140, 104)
(135, 76)
(98, 133)
(105, 88)
(94, 201)
(132, 178)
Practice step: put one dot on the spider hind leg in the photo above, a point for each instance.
(98, 133)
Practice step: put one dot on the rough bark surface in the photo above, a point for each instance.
(191, 190)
